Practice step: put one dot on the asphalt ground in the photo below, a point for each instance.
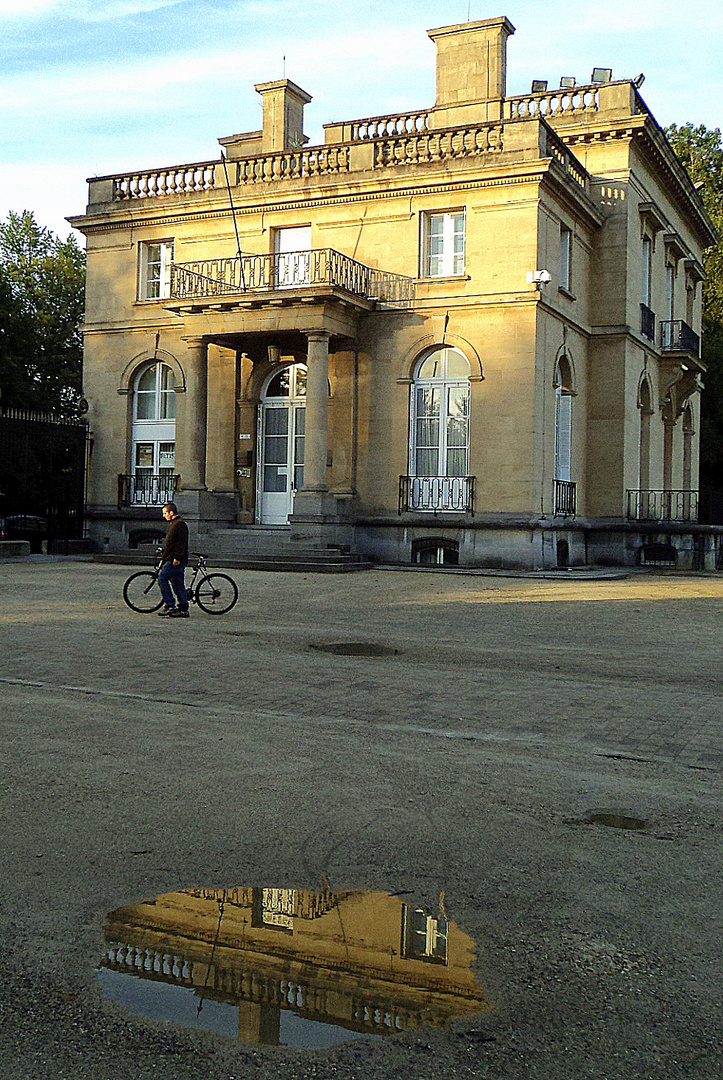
(143, 755)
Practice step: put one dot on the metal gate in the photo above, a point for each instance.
(43, 467)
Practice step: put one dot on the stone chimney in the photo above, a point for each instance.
(283, 116)
(471, 70)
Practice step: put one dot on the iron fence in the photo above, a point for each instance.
(149, 489)
(437, 494)
(565, 494)
(662, 505)
(677, 336)
(647, 322)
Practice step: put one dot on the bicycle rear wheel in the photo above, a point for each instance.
(216, 594)
(141, 592)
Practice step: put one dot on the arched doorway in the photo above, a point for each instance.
(154, 435)
(281, 444)
(439, 431)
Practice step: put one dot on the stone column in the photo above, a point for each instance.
(317, 413)
(191, 441)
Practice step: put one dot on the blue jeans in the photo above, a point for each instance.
(173, 576)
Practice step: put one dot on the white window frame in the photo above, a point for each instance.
(449, 260)
(155, 258)
(566, 258)
(647, 270)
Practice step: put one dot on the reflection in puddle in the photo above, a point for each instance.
(289, 967)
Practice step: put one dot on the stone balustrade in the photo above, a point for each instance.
(556, 149)
(178, 180)
(439, 145)
(552, 103)
(292, 165)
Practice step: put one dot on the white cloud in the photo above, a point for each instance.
(84, 10)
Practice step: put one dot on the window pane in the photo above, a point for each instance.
(300, 382)
(147, 380)
(275, 478)
(427, 432)
(145, 406)
(427, 462)
(279, 385)
(144, 456)
(457, 365)
(277, 421)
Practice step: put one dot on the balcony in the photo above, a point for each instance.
(662, 505)
(437, 494)
(677, 336)
(275, 276)
(564, 498)
(647, 322)
(146, 489)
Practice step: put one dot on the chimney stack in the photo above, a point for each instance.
(471, 70)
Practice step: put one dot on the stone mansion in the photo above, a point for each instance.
(467, 334)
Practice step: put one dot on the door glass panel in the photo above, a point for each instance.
(144, 456)
(299, 433)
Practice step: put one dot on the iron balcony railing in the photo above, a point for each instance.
(565, 495)
(677, 336)
(147, 489)
(662, 505)
(647, 322)
(288, 270)
(437, 494)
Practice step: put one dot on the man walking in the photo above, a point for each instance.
(174, 557)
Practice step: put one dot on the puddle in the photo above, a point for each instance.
(357, 648)
(615, 821)
(289, 967)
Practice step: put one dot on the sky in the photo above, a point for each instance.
(96, 87)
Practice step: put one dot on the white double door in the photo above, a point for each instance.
(281, 445)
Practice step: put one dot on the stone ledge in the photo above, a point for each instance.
(12, 549)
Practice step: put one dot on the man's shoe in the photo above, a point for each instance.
(177, 613)
(166, 610)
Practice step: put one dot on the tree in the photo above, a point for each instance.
(42, 285)
(701, 152)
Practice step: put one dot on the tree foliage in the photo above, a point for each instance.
(701, 152)
(42, 287)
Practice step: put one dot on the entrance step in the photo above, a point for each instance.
(259, 547)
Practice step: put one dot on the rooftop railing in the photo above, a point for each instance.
(234, 277)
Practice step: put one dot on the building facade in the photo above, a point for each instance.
(466, 334)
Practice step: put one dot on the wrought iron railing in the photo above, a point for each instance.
(437, 494)
(647, 322)
(662, 505)
(146, 489)
(565, 496)
(289, 270)
(677, 336)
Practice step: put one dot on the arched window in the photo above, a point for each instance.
(439, 437)
(154, 435)
(645, 405)
(564, 394)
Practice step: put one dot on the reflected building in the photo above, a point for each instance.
(364, 961)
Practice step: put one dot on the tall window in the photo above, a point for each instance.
(443, 244)
(563, 420)
(647, 270)
(154, 270)
(565, 258)
(154, 435)
(440, 407)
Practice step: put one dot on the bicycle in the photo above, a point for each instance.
(214, 593)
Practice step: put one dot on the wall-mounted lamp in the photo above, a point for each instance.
(637, 83)
(274, 353)
(539, 278)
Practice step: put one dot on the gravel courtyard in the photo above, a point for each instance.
(144, 755)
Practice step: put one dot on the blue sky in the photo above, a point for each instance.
(92, 87)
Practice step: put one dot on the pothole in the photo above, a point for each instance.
(356, 648)
(289, 967)
(613, 820)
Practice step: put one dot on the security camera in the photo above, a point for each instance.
(539, 278)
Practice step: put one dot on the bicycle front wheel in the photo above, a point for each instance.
(216, 594)
(141, 592)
